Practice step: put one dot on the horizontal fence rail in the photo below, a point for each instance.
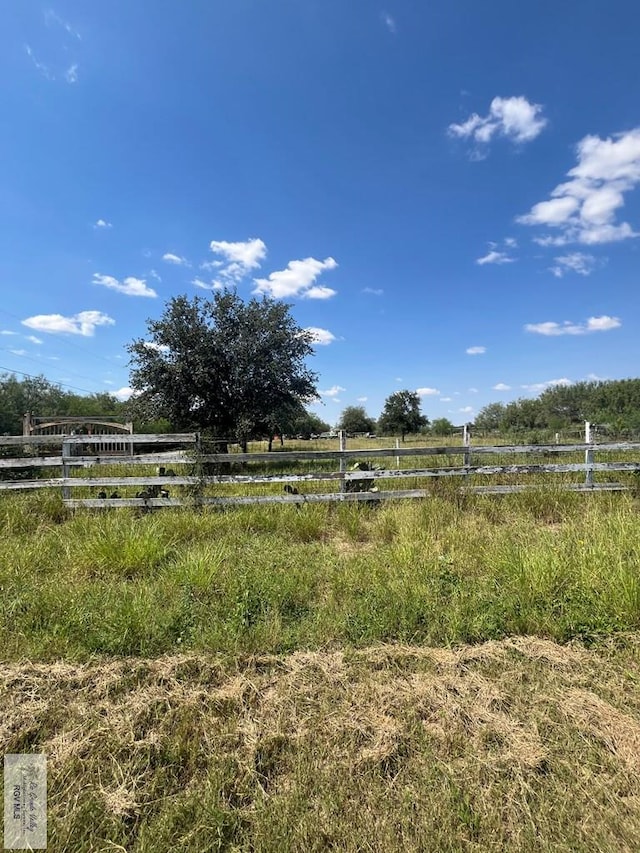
(200, 469)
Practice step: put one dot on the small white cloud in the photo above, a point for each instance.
(319, 292)
(446, 399)
(7, 332)
(71, 74)
(466, 409)
(102, 224)
(374, 291)
(473, 390)
(514, 118)
(50, 18)
(170, 258)
(584, 208)
(163, 348)
(298, 279)
(154, 274)
(18, 351)
(476, 350)
(494, 257)
(389, 22)
(33, 339)
(427, 392)
(361, 399)
(43, 69)
(129, 287)
(577, 262)
(239, 259)
(550, 383)
(593, 324)
(84, 323)
(123, 394)
(511, 242)
(333, 391)
(501, 387)
(322, 337)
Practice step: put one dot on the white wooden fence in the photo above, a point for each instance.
(76, 456)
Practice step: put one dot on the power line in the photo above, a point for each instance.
(61, 384)
(36, 361)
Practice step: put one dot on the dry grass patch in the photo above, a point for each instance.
(519, 744)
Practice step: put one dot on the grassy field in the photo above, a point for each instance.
(456, 673)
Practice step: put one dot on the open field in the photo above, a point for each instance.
(328, 677)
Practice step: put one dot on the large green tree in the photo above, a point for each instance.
(401, 414)
(355, 419)
(442, 426)
(222, 366)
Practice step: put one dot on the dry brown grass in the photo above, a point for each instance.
(520, 744)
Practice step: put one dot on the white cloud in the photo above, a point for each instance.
(333, 391)
(322, 337)
(18, 351)
(50, 17)
(319, 292)
(154, 274)
(473, 390)
(501, 387)
(585, 207)
(33, 339)
(123, 394)
(215, 285)
(494, 257)
(43, 69)
(446, 399)
(102, 223)
(466, 409)
(71, 74)
(239, 259)
(361, 399)
(593, 324)
(298, 279)
(163, 348)
(577, 262)
(170, 258)
(427, 392)
(550, 383)
(130, 286)
(84, 323)
(476, 350)
(514, 118)
(374, 291)
(511, 242)
(389, 22)
(7, 332)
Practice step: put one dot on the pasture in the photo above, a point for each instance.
(453, 673)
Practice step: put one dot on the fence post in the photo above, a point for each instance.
(588, 456)
(397, 448)
(466, 440)
(342, 439)
(66, 454)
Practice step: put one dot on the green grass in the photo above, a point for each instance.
(448, 569)
(282, 678)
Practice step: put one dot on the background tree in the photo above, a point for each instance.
(355, 419)
(221, 365)
(442, 426)
(401, 414)
(489, 418)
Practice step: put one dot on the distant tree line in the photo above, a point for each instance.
(614, 406)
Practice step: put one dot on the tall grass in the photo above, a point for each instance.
(447, 569)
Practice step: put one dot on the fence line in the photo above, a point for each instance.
(353, 485)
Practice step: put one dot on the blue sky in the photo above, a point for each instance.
(446, 191)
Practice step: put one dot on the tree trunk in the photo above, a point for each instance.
(270, 444)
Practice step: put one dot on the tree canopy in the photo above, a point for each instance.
(355, 419)
(401, 414)
(223, 366)
(442, 426)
